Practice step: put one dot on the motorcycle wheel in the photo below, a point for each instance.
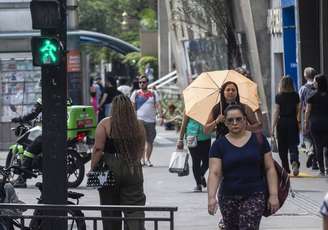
(9, 159)
(75, 169)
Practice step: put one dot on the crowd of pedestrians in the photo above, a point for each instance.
(242, 180)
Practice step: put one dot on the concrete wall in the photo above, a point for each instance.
(251, 19)
(277, 59)
(13, 13)
(149, 43)
(164, 45)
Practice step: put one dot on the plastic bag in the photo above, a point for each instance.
(179, 163)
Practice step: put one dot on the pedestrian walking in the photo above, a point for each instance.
(199, 151)
(229, 95)
(238, 166)
(316, 120)
(99, 93)
(120, 142)
(305, 92)
(146, 103)
(324, 212)
(110, 91)
(287, 121)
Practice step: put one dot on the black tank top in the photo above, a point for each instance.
(109, 145)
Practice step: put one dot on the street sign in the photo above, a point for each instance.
(46, 51)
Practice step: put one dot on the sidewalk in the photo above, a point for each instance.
(165, 189)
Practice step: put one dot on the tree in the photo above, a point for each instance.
(204, 12)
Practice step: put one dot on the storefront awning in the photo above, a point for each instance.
(86, 37)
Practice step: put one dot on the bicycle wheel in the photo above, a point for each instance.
(75, 169)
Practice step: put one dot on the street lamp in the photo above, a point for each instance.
(124, 23)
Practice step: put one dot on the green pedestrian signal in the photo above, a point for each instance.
(45, 51)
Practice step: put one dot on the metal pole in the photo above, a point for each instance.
(54, 125)
(323, 36)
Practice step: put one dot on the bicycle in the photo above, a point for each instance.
(36, 223)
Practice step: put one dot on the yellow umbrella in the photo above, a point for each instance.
(204, 93)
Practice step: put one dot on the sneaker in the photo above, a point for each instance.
(322, 173)
(221, 224)
(295, 168)
(315, 166)
(20, 182)
(198, 188)
(142, 162)
(149, 164)
(203, 182)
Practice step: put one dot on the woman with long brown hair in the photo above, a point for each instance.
(120, 142)
(286, 120)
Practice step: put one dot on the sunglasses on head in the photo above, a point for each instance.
(232, 120)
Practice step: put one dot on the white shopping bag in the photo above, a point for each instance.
(178, 161)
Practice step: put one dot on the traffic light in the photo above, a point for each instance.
(46, 14)
(46, 51)
(49, 16)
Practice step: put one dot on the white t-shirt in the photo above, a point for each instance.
(145, 104)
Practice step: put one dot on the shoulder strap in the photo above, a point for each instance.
(154, 95)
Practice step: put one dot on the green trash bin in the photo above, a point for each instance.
(81, 120)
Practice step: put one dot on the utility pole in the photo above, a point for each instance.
(49, 52)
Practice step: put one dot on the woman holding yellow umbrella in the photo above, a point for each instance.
(229, 95)
(211, 92)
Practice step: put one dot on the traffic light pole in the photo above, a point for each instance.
(54, 127)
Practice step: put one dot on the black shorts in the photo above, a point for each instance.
(150, 129)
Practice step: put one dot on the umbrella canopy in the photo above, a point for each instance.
(204, 93)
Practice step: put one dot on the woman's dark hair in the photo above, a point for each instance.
(322, 83)
(127, 132)
(135, 85)
(223, 101)
(235, 107)
(286, 85)
(112, 81)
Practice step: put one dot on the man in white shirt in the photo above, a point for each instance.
(146, 103)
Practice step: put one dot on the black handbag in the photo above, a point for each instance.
(101, 176)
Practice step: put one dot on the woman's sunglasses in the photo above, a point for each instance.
(232, 120)
(142, 82)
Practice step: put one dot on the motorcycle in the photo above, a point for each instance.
(81, 124)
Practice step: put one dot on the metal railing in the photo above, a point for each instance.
(155, 219)
(164, 80)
